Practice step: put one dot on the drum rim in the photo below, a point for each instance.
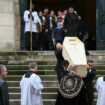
(75, 94)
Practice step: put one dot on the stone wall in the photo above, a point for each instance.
(9, 25)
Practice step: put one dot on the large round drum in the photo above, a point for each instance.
(70, 85)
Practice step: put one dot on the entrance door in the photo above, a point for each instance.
(85, 8)
(100, 24)
(23, 7)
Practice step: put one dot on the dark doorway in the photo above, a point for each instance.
(85, 8)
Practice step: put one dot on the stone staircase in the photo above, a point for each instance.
(17, 65)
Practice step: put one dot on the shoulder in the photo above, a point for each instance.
(26, 12)
(100, 79)
(35, 13)
(1, 82)
(35, 77)
(67, 15)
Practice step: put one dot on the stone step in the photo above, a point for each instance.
(28, 58)
(39, 72)
(40, 62)
(24, 62)
(43, 67)
(46, 89)
(43, 77)
(45, 101)
(44, 52)
(17, 74)
(96, 57)
(99, 71)
(25, 67)
(45, 83)
(44, 95)
(97, 76)
(18, 53)
(52, 95)
(101, 52)
(44, 57)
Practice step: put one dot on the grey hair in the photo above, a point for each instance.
(2, 67)
(32, 65)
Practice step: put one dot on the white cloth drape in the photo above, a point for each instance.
(31, 90)
(100, 86)
(34, 21)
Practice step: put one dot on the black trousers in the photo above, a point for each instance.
(42, 40)
(49, 39)
(35, 37)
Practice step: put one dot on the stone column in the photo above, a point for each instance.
(9, 25)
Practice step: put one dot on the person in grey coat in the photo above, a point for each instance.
(4, 97)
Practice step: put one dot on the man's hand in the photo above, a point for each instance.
(59, 46)
(87, 67)
(65, 30)
(46, 30)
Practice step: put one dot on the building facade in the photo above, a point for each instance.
(12, 24)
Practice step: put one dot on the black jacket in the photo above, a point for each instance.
(48, 23)
(4, 97)
(88, 81)
(71, 24)
(59, 69)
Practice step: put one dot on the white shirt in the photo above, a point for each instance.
(31, 90)
(34, 21)
(100, 86)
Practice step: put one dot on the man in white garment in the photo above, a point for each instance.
(100, 86)
(36, 28)
(31, 87)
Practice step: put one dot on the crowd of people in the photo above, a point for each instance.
(48, 29)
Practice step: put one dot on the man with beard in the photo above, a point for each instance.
(71, 23)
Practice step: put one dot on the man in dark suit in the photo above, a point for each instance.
(88, 81)
(71, 23)
(4, 97)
